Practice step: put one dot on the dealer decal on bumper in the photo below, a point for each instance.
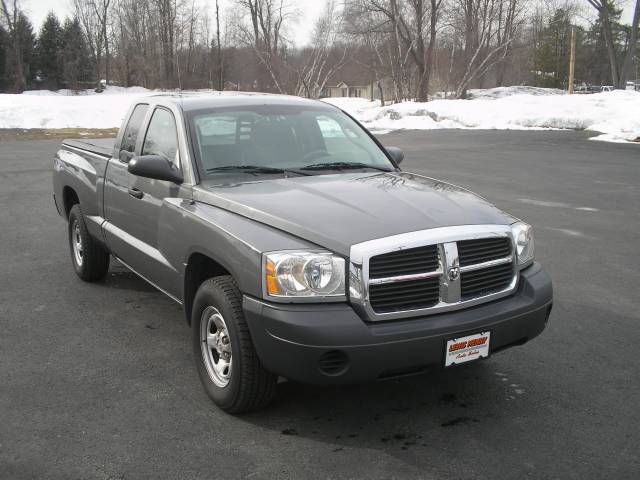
(466, 349)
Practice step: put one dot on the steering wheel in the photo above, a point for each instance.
(314, 154)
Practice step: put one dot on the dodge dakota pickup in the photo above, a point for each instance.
(296, 244)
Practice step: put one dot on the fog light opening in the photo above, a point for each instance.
(333, 363)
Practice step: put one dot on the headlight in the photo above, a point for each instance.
(311, 275)
(523, 240)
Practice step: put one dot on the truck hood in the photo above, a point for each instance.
(337, 211)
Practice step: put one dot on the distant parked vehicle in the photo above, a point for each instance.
(585, 89)
(631, 85)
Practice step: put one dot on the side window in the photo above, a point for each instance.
(133, 128)
(162, 136)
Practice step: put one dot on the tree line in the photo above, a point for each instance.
(404, 49)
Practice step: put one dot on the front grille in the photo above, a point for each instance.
(482, 250)
(404, 262)
(476, 283)
(438, 276)
(409, 295)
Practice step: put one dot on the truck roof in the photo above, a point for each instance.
(214, 99)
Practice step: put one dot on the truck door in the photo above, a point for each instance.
(145, 203)
(134, 204)
(116, 186)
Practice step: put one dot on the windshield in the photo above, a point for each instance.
(273, 139)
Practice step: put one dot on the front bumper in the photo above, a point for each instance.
(330, 344)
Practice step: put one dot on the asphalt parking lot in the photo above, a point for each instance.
(98, 381)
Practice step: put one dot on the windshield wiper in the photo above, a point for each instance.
(342, 165)
(253, 169)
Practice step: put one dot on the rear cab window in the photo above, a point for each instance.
(130, 136)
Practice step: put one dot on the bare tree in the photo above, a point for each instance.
(412, 32)
(220, 58)
(366, 29)
(265, 33)
(85, 13)
(377, 22)
(489, 28)
(318, 62)
(167, 11)
(101, 11)
(136, 43)
(410, 29)
(11, 16)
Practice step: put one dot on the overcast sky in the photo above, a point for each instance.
(309, 11)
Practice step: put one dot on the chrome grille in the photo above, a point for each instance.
(432, 271)
(483, 250)
(391, 297)
(485, 281)
(404, 262)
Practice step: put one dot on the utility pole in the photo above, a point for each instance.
(572, 61)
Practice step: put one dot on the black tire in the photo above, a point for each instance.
(249, 386)
(92, 264)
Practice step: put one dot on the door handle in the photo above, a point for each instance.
(134, 192)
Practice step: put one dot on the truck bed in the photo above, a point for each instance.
(98, 146)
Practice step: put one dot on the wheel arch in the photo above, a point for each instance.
(200, 267)
(69, 199)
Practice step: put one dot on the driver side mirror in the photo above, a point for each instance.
(156, 167)
(396, 153)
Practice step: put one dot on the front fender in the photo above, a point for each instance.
(233, 241)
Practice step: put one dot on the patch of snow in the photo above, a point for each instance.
(65, 109)
(501, 92)
(110, 90)
(566, 231)
(614, 114)
(544, 203)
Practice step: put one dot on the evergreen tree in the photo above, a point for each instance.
(23, 34)
(552, 57)
(48, 51)
(75, 60)
(597, 66)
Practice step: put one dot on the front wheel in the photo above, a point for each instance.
(227, 362)
(90, 259)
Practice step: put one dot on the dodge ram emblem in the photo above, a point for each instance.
(454, 273)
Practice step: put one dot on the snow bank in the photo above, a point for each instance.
(111, 90)
(501, 92)
(615, 114)
(67, 109)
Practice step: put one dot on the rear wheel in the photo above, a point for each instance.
(227, 362)
(90, 259)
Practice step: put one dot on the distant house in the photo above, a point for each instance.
(343, 89)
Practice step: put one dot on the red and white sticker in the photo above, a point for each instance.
(466, 349)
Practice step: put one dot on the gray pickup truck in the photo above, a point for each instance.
(296, 245)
